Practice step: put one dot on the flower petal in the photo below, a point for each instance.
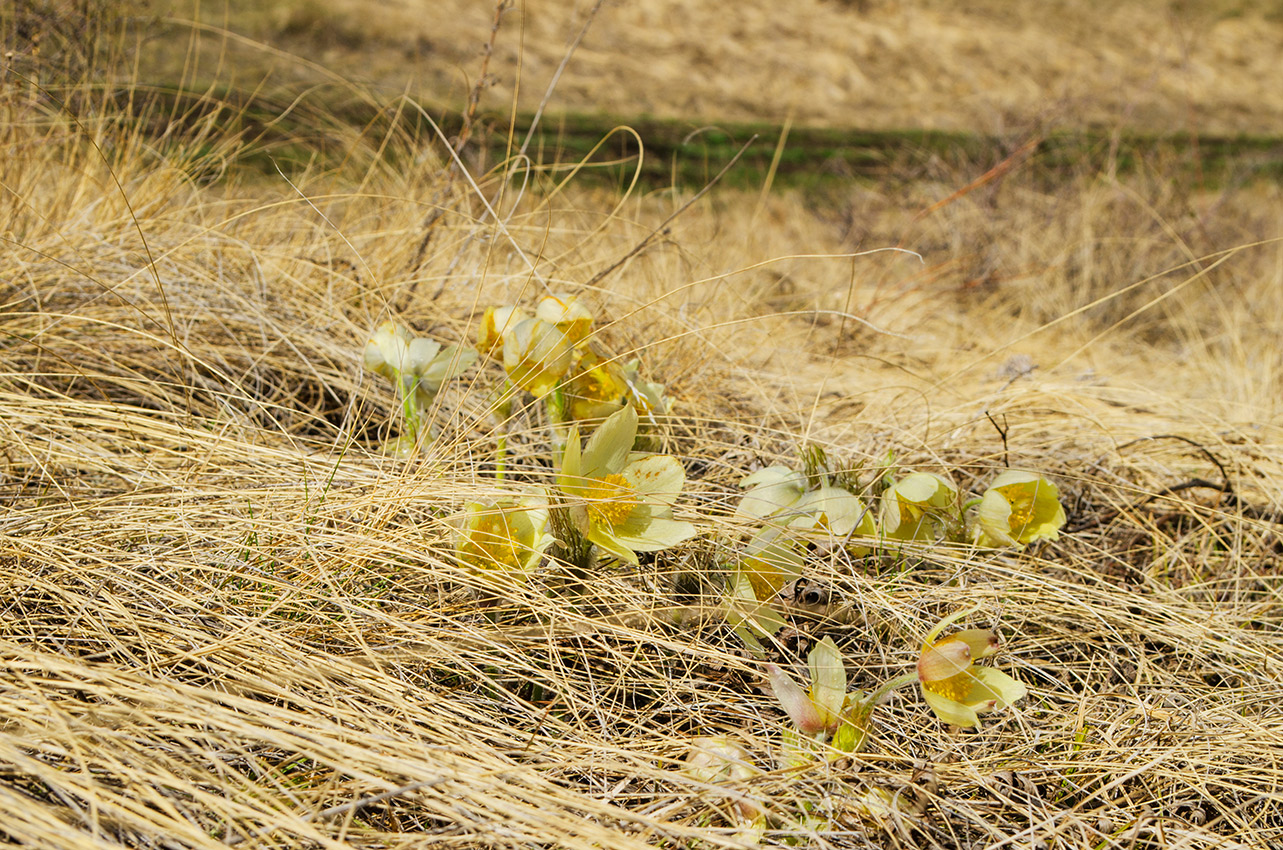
(608, 448)
(801, 710)
(656, 478)
(451, 362)
(828, 680)
(943, 661)
(772, 490)
(770, 561)
(570, 477)
(605, 537)
(655, 534)
(994, 688)
(981, 642)
(994, 518)
(950, 711)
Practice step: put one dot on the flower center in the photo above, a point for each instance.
(616, 502)
(491, 544)
(956, 687)
(1022, 513)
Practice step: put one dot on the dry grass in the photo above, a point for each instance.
(995, 66)
(229, 621)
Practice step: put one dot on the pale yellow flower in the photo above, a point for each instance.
(597, 388)
(508, 536)
(919, 506)
(954, 686)
(496, 322)
(569, 316)
(537, 355)
(623, 499)
(1017, 509)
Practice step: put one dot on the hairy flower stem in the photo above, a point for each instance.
(899, 682)
(572, 549)
(409, 410)
(556, 407)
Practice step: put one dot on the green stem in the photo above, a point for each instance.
(408, 409)
(556, 407)
(501, 414)
(886, 688)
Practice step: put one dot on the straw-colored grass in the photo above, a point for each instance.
(997, 66)
(229, 620)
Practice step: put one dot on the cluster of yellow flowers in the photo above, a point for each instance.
(1018, 508)
(551, 352)
(829, 722)
(609, 500)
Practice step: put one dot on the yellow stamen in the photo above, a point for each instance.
(617, 502)
(491, 544)
(956, 687)
(1021, 514)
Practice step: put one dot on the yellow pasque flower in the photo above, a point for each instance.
(836, 514)
(599, 386)
(919, 507)
(417, 367)
(421, 363)
(569, 316)
(597, 389)
(1018, 508)
(954, 686)
(537, 355)
(624, 499)
(496, 322)
(507, 535)
(772, 490)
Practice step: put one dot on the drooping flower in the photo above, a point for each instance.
(954, 686)
(1018, 508)
(508, 536)
(623, 499)
(919, 506)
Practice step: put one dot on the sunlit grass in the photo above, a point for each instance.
(231, 619)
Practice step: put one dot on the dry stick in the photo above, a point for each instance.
(556, 77)
(465, 133)
(662, 229)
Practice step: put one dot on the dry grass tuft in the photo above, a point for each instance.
(228, 620)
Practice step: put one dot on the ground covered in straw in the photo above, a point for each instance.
(229, 619)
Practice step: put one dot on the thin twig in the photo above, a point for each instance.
(662, 229)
